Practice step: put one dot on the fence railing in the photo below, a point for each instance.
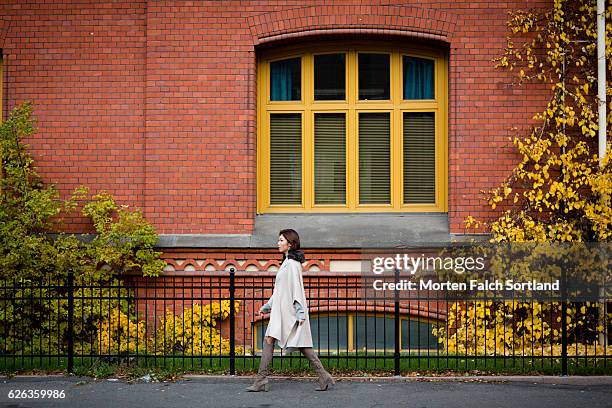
(208, 322)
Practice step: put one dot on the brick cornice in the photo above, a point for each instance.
(411, 21)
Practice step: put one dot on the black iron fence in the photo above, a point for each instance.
(209, 322)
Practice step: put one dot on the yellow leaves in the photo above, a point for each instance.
(568, 118)
(194, 328)
(506, 327)
(119, 333)
(503, 62)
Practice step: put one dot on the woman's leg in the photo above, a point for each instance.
(261, 380)
(325, 379)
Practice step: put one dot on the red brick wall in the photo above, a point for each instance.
(83, 67)
(155, 101)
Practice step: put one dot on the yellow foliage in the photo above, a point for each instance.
(565, 192)
(118, 334)
(512, 328)
(193, 332)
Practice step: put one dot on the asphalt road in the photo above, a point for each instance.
(537, 392)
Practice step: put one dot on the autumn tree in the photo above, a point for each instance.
(558, 192)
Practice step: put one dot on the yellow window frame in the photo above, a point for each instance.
(307, 106)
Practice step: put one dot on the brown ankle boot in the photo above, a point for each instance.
(325, 379)
(261, 379)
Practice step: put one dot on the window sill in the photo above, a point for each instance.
(362, 230)
(330, 231)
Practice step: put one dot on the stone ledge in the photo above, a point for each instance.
(330, 231)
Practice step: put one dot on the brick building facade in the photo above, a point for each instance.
(162, 104)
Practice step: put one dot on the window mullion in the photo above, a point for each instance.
(352, 159)
(308, 136)
(396, 159)
(396, 145)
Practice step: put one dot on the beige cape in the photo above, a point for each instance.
(283, 324)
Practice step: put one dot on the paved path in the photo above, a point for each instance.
(219, 391)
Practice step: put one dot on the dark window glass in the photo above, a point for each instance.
(418, 78)
(286, 80)
(329, 77)
(417, 335)
(373, 332)
(374, 76)
(329, 332)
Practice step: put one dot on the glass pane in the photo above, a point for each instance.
(417, 335)
(285, 158)
(260, 330)
(374, 158)
(374, 79)
(329, 77)
(329, 332)
(419, 158)
(418, 78)
(373, 332)
(286, 80)
(330, 158)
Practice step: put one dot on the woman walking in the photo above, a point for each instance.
(289, 324)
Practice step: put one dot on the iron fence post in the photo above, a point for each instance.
(396, 327)
(70, 287)
(563, 323)
(232, 289)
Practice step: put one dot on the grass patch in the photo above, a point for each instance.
(353, 364)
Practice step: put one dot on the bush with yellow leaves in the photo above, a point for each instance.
(120, 334)
(511, 328)
(192, 332)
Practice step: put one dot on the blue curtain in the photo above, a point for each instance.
(418, 78)
(280, 80)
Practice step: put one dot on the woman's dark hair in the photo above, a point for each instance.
(293, 239)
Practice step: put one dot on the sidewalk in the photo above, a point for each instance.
(228, 391)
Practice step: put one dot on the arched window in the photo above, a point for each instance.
(350, 127)
(349, 332)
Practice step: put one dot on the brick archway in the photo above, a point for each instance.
(410, 21)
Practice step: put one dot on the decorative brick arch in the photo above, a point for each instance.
(417, 22)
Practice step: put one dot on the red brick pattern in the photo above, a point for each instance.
(155, 100)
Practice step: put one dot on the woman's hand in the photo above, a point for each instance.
(301, 322)
(261, 313)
